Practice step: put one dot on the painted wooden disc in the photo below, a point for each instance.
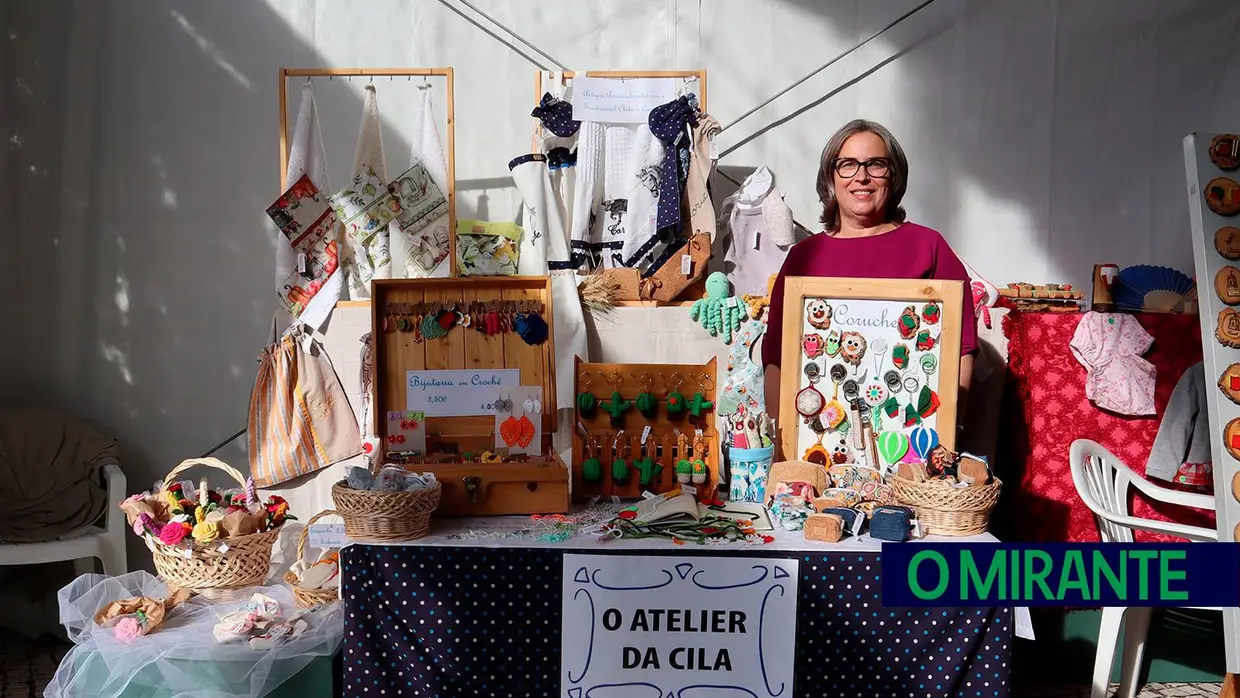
(1227, 285)
(1227, 242)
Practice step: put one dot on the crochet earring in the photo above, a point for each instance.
(509, 429)
(531, 328)
(585, 400)
(525, 427)
(620, 466)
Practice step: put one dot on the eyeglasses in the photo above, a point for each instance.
(848, 168)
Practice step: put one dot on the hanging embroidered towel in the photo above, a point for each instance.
(587, 196)
(308, 158)
(426, 244)
(1117, 379)
(670, 123)
(487, 249)
(368, 212)
(309, 224)
(697, 187)
(300, 418)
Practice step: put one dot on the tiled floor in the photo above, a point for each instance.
(26, 667)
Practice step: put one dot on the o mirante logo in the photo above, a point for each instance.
(1061, 574)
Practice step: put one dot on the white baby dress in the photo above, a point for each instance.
(1109, 346)
(757, 224)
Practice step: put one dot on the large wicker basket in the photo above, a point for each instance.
(385, 517)
(310, 598)
(208, 571)
(945, 510)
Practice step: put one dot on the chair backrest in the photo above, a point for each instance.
(1102, 481)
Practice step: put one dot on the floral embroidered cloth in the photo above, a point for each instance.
(365, 207)
(487, 249)
(308, 221)
(1109, 346)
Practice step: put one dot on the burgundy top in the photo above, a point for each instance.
(910, 251)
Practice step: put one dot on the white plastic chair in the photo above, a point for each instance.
(1102, 480)
(106, 542)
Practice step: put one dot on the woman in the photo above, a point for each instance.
(862, 178)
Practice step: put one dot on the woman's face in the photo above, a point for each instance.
(863, 196)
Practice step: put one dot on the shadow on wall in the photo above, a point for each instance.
(147, 287)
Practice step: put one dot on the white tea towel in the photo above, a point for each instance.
(427, 149)
(362, 262)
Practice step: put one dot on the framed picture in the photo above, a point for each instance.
(870, 369)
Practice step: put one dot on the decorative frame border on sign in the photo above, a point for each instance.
(934, 360)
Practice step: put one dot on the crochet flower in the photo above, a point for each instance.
(206, 531)
(146, 524)
(127, 630)
(172, 534)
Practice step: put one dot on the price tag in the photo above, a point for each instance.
(731, 303)
(329, 535)
(646, 494)
(714, 148)
(689, 488)
(916, 528)
(301, 262)
(223, 548)
(686, 265)
(615, 499)
(645, 434)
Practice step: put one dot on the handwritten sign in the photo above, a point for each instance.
(457, 393)
(616, 101)
(327, 535)
(678, 625)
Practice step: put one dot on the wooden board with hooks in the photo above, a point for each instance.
(671, 437)
(532, 485)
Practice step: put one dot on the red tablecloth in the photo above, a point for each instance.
(1046, 410)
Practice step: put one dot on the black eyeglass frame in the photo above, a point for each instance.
(840, 164)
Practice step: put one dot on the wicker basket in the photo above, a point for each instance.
(310, 598)
(385, 517)
(945, 510)
(208, 571)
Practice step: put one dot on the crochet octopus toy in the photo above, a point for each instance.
(718, 312)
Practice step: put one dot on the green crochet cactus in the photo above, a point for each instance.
(585, 403)
(615, 406)
(620, 469)
(675, 403)
(699, 404)
(592, 470)
(647, 470)
(647, 405)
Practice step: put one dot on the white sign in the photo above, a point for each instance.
(457, 393)
(679, 626)
(329, 535)
(620, 101)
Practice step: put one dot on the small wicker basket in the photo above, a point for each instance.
(385, 517)
(209, 572)
(310, 598)
(945, 510)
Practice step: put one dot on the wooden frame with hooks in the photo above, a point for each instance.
(391, 73)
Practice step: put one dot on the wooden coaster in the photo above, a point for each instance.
(1235, 487)
(1223, 196)
(1228, 330)
(1231, 438)
(1227, 242)
(1229, 383)
(1225, 151)
(1227, 285)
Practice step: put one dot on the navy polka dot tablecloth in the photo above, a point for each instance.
(445, 622)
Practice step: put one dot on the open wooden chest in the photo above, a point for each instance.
(520, 485)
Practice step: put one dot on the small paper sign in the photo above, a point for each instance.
(620, 101)
(329, 535)
(406, 432)
(518, 425)
(457, 393)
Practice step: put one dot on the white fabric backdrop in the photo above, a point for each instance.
(142, 150)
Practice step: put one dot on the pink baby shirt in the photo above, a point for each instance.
(1117, 379)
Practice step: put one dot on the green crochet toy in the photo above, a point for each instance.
(675, 403)
(719, 312)
(647, 469)
(620, 469)
(616, 406)
(592, 470)
(699, 404)
(647, 405)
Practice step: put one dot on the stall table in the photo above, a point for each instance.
(445, 616)
(1046, 410)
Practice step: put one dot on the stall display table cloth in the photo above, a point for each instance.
(1046, 410)
(482, 616)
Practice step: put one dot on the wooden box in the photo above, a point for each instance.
(670, 438)
(532, 485)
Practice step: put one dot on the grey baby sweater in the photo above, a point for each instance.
(1184, 434)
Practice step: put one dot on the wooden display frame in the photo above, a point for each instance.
(528, 486)
(447, 73)
(697, 289)
(949, 295)
(662, 444)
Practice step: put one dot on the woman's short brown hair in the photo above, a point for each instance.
(898, 177)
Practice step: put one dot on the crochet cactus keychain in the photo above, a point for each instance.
(675, 400)
(647, 468)
(699, 403)
(591, 468)
(585, 400)
(646, 404)
(617, 406)
(620, 466)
